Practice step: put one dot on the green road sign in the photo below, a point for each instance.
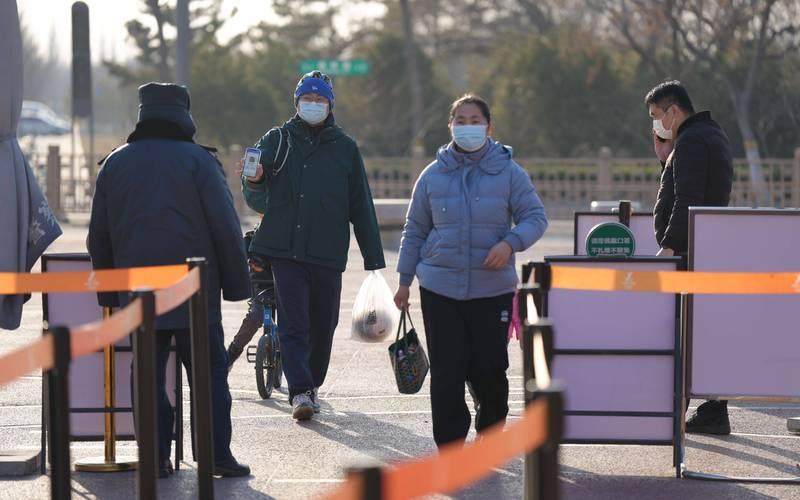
(610, 238)
(336, 67)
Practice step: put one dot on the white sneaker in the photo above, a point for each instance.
(303, 406)
(315, 402)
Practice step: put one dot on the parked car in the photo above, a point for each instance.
(39, 119)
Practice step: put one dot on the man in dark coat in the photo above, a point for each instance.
(160, 199)
(698, 172)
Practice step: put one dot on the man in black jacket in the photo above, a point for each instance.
(697, 172)
(159, 199)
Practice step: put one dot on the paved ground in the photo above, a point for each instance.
(364, 420)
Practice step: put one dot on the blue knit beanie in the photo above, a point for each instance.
(314, 82)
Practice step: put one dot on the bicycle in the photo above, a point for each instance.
(266, 355)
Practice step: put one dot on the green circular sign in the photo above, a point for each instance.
(610, 239)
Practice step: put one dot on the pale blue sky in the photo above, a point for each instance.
(108, 17)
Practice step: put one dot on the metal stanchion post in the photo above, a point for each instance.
(530, 468)
(548, 453)
(110, 462)
(625, 211)
(547, 486)
(58, 407)
(541, 272)
(545, 329)
(372, 478)
(178, 411)
(527, 269)
(201, 383)
(144, 355)
(541, 465)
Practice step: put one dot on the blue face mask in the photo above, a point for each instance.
(469, 137)
(313, 113)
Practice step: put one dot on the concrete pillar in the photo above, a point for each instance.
(796, 179)
(229, 163)
(417, 163)
(53, 180)
(605, 176)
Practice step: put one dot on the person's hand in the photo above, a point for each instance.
(240, 170)
(401, 297)
(662, 147)
(665, 252)
(498, 256)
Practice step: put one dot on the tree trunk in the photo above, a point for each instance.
(183, 43)
(158, 14)
(415, 85)
(758, 185)
(435, 12)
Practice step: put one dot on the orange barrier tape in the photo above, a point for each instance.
(90, 338)
(168, 299)
(350, 490)
(608, 280)
(30, 358)
(112, 280)
(458, 466)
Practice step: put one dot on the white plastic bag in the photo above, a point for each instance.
(375, 316)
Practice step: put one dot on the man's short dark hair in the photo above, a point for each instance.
(668, 93)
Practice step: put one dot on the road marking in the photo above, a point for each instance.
(333, 413)
(771, 436)
(399, 452)
(81, 446)
(345, 398)
(314, 481)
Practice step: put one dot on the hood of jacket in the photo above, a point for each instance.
(159, 129)
(492, 158)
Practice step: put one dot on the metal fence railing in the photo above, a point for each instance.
(564, 184)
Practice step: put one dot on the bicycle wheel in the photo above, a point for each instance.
(273, 363)
(278, 378)
(264, 358)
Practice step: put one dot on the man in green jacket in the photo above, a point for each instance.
(310, 185)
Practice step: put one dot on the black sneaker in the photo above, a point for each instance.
(165, 469)
(231, 469)
(711, 417)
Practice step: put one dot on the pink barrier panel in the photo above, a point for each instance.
(746, 346)
(616, 383)
(617, 428)
(613, 320)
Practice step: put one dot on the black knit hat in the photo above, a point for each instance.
(166, 101)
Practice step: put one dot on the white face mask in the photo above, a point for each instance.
(469, 137)
(313, 113)
(662, 132)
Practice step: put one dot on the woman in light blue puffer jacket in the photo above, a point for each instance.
(471, 210)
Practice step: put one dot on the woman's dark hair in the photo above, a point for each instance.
(471, 99)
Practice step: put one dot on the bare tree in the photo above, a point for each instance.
(730, 38)
(155, 9)
(34, 66)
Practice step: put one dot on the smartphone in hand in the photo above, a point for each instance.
(252, 156)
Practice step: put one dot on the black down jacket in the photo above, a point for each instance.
(698, 173)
